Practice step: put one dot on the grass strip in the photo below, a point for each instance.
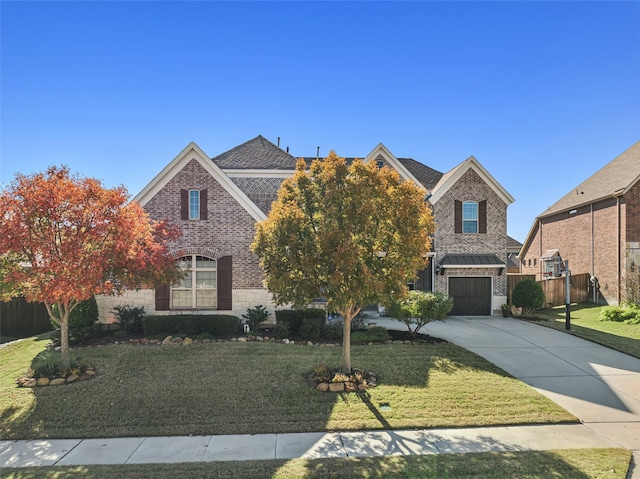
(585, 324)
(568, 464)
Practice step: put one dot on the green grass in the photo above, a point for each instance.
(251, 388)
(585, 324)
(567, 464)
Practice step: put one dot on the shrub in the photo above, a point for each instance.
(528, 295)
(333, 330)
(47, 364)
(377, 334)
(294, 318)
(130, 318)
(191, 324)
(255, 316)
(419, 308)
(281, 331)
(311, 328)
(83, 322)
(629, 314)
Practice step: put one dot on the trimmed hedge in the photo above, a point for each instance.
(308, 322)
(192, 324)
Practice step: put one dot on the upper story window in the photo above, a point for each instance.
(380, 164)
(469, 217)
(194, 205)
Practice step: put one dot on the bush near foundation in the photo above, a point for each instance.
(191, 324)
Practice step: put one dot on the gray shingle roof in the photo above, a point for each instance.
(613, 178)
(424, 174)
(258, 153)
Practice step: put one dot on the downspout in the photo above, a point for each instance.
(593, 246)
(619, 237)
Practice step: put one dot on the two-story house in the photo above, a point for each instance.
(596, 227)
(217, 201)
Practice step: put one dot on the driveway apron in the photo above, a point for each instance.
(598, 385)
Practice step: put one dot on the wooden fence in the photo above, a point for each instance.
(554, 288)
(20, 319)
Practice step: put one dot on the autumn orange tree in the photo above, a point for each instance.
(65, 238)
(352, 234)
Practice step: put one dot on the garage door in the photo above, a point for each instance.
(471, 296)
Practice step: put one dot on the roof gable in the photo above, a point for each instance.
(193, 152)
(451, 177)
(614, 179)
(256, 154)
(382, 152)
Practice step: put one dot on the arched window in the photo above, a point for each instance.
(198, 288)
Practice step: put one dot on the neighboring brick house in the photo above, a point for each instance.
(596, 227)
(217, 201)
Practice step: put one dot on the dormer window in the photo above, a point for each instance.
(193, 205)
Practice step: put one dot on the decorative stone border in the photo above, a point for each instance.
(31, 382)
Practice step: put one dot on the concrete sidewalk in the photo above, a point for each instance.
(133, 450)
(598, 385)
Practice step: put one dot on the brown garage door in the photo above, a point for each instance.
(471, 296)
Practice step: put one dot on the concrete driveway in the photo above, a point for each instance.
(597, 384)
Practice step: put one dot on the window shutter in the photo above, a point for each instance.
(162, 297)
(482, 220)
(458, 217)
(184, 204)
(204, 209)
(225, 283)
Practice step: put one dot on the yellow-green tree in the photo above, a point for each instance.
(352, 234)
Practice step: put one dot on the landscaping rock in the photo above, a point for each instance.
(43, 382)
(57, 382)
(166, 340)
(349, 387)
(309, 343)
(322, 387)
(72, 377)
(336, 387)
(30, 383)
(187, 341)
(242, 340)
(90, 372)
(176, 340)
(286, 341)
(258, 338)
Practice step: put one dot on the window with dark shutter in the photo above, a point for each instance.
(225, 278)
(458, 216)
(204, 210)
(482, 220)
(184, 204)
(162, 298)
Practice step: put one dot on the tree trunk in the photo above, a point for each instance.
(65, 359)
(346, 345)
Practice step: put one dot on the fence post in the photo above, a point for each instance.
(567, 287)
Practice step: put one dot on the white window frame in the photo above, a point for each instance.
(193, 269)
(194, 204)
(467, 221)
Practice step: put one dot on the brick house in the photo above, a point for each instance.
(596, 226)
(217, 201)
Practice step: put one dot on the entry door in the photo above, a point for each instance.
(471, 296)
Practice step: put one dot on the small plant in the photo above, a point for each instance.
(47, 364)
(628, 313)
(377, 334)
(130, 318)
(255, 316)
(83, 322)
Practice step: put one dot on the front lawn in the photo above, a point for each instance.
(567, 464)
(251, 388)
(585, 324)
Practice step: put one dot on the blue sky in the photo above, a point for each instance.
(543, 93)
